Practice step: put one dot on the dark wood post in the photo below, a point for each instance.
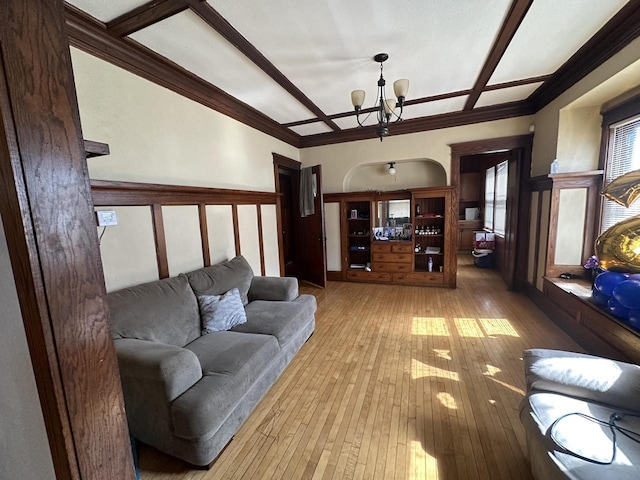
(45, 202)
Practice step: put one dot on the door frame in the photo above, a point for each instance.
(518, 226)
(282, 162)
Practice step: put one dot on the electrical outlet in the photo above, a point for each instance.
(107, 218)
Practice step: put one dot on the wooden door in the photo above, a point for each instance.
(313, 253)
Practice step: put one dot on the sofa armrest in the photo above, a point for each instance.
(283, 289)
(166, 369)
(591, 378)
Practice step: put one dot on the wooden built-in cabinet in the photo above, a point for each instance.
(428, 258)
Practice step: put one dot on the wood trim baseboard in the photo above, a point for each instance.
(335, 276)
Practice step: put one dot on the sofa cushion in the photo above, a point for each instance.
(164, 311)
(220, 278)
(221, 312)
(283, 320)
(231, 362)
(541, 409)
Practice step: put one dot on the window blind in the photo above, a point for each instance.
(489, 188)
(624, 156)
(500, 216)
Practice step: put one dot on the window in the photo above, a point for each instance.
(623, 157)
(495, 198)
(489, 190)
(500, 205)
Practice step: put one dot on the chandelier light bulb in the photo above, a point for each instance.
(392, 168)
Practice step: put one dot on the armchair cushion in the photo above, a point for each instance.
(583, 376)
(219, 279)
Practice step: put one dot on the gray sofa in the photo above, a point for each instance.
(185, 393)
(561, 383)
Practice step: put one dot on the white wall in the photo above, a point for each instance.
(339, 160)
(24, 450)
(158, 136)
(610, 80)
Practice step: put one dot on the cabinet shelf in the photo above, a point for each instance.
(438, 235)
(358, 236)
(422, 254)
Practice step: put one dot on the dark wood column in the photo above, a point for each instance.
(45, 202)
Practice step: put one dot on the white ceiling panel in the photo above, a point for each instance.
(447, 105)
(312, 128)
(106, 10)
(506, 95)
(191, 43)
(325, 48)
(550, 33)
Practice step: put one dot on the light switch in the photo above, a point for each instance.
(107, 218)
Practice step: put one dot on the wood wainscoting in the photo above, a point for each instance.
(398, 382)
(121, 194)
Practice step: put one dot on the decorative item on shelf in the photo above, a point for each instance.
(392, 168)
(383, 107)
(430, 264)
(417, 249)
(354, 214)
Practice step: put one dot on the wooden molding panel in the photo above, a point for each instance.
(91, 36)
(145, 15)
(46, 206)
(109, 193)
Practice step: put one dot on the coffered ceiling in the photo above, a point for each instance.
(287, 67)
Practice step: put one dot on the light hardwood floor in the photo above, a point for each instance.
(397, 382)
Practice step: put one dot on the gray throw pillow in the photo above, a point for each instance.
(221, 312)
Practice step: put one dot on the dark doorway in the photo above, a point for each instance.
(302, 239)
(289, 181)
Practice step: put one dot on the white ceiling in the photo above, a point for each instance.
(325, 49)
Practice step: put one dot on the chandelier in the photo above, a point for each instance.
(384, 108)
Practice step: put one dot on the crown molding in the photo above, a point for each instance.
(435, 122)
(617, 33)
(91, 36)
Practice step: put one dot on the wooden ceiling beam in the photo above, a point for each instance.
(91, 36)
(145, 15)
(617, 33)
(224, 28)
(519, 9)
(422, 124)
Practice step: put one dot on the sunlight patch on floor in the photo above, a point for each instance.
(420, 370)
(447, 400)
(468, 327)
(422, 464)
(491, 370)
(498, 326)
(510, 387)
(446, 354)
(430, 326)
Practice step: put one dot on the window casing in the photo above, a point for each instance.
(489, 190)
(495, 198)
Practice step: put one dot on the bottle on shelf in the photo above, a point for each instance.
(430, 264)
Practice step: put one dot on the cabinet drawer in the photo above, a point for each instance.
(368, 276)
(392, 257)
(402, 248)
(381, 247)
(391, 267)
(433, 278)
